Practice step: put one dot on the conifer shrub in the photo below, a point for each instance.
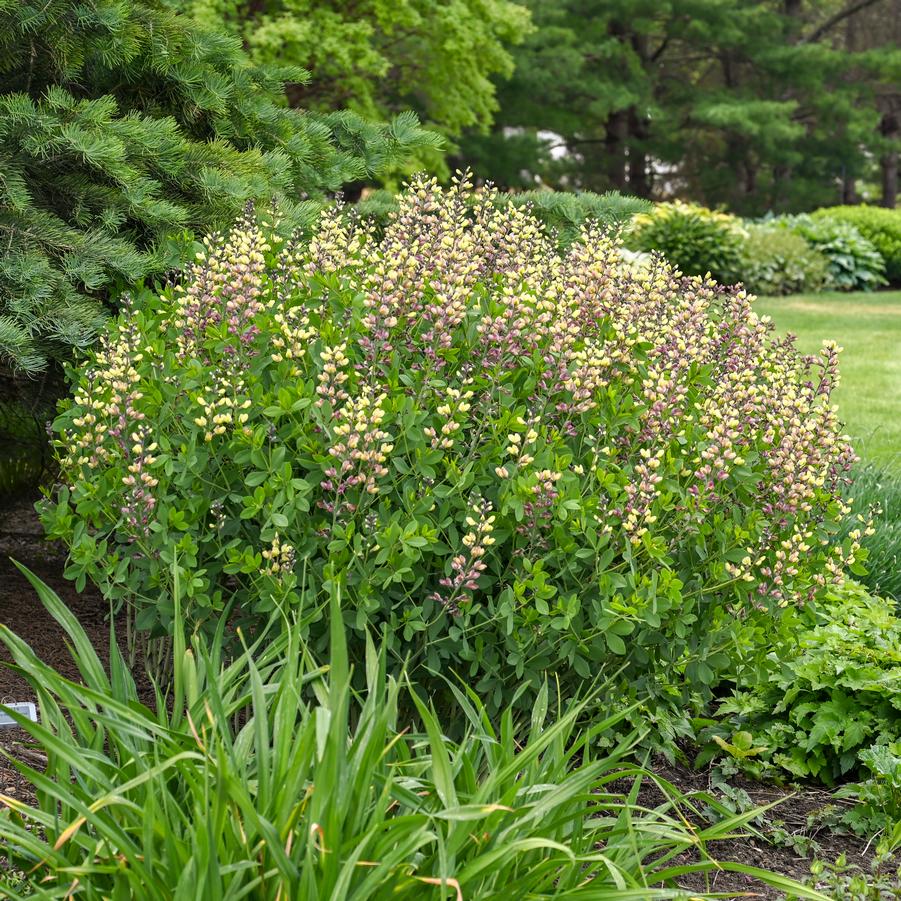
(694, 239)
(515, 460)
(124, 129)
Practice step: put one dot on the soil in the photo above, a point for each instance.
(21, 539)
(785, 842)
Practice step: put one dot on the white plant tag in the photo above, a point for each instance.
(26, 708)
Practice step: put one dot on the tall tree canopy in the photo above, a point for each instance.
(380, 57)
(756, 103)
(123, 123)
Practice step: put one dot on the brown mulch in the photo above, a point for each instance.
(21, 539)
(796, 814)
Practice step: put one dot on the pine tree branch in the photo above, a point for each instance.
(840, 16)
(660, 50)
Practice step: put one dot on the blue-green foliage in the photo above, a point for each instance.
(878, 225)
(854, 263)
(876, 494)
(125, 127)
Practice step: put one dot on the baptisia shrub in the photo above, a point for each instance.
(514, 459)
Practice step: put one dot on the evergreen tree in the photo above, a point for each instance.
(873, 34)
(755, 103)
(124, 128)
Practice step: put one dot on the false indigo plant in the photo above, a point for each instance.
(514, 459)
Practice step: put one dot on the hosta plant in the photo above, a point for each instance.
(693, 238)
(514, 460)
(854, 262)
(880, 226)
(268, 777)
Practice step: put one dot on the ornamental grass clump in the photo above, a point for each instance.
(514, 460)
(268, 777)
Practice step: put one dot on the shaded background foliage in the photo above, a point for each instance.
(381, 57)
(128, 126)
(757, 105)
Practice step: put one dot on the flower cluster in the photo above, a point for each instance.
(453, 413)
(518, 448)
(279, 557)
(455, 416)
(292, 335)
(332, 376)
(358, 453)
(641, 492)
(107, 402)
(223, 405)
(139, 483)
(539, 508)
(222, 294)
(468, 566)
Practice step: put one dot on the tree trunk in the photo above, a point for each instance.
(639, 177)
(639, 182)
(617, 133)
(750, 168)
(889, 163)
(890, 130)
(849, 188)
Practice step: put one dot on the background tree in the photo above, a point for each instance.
(380, 57)
(125, 127)
(759, 105)
(873, 33)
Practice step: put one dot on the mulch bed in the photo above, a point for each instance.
(796, 810)
(21, 539)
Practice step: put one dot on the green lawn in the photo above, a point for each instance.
(868, 327)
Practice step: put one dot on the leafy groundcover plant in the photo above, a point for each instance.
(268, 777)
(693, 238)
(513, 459)
(827, 693)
